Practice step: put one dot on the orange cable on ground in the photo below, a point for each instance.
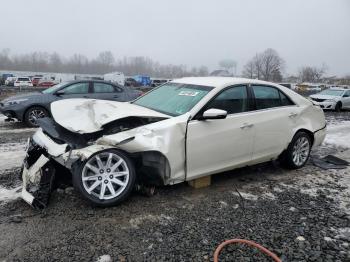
(247, 242)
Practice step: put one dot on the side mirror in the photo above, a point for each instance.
(59, 92)
(346, 95)
(214, 113)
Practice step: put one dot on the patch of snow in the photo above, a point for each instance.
(161, 219)
(2, 118)
(300, 238)
(12, 130)
(338, 135)
(327, 239)
(9, 194)
(247, 196)
(344, 234)
(104, 258)
(12, 155)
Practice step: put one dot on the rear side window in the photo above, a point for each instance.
(23, 79)
(233, 100)
(269, 97)
(103, 88)
(285, 101)
(78, 88)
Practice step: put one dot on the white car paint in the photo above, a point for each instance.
(192, 147)
(330, 101)
(89, 115)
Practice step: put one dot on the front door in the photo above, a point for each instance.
(76, 90)
(346, 100)
(221, 144)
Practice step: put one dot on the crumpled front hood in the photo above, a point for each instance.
(89, 115)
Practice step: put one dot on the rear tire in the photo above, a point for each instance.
(34, 113)
(298, 151)
(107, 178)
(338, 107)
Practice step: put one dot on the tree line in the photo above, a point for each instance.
(267, 65)
(105, 62)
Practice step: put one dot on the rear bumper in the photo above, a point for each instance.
(319, 136)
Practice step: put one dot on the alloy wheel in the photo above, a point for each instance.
(105, 175)
(301, 151)
(35, 114)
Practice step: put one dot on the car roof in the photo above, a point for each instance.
(90, 80)
(219, 82)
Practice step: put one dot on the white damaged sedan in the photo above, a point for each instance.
(179, 131)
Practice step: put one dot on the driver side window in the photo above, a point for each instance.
(233, 100)
(78, 88)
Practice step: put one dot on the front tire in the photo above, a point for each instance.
(298, 151)
(33, 113)
(107, 178)
(338, 107)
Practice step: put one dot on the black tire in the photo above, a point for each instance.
(77, 178)
(38, 110)
(338, 107)
(287, 158)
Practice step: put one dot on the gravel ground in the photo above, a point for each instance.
(301, 215)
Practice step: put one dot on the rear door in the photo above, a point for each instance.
(221, 144)
(275, 117)
(346, 99)
(108, 91)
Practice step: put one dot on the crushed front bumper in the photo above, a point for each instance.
(327, 105)
(38, 176)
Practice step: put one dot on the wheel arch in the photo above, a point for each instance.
(35, 105)
(152, 167)
(310, 133)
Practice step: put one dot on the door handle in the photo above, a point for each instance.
(292, 115)
(245, 125)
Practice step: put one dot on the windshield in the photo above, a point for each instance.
(332, 92)
(54, 88)
(173, 99)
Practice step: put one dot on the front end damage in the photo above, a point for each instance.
(155, 143)
(38, 176)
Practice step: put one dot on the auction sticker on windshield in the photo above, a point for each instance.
(188, 93)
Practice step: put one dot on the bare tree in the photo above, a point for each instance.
(229, 64)
(103, 63)
(267, 65)
(312, 73)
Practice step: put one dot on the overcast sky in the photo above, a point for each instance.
(191, 32)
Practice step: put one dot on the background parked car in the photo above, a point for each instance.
(10, 81)
(333, 99)
(131, 82)
(158, 82)
(46, 83)
(23, 81)
(29, 107)
(4, 77)
(35, 80)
